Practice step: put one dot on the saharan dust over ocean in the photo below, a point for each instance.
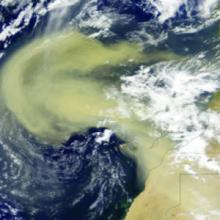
(109, 110)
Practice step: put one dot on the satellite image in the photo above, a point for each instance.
(109, 110)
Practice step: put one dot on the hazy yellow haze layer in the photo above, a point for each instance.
(57, 85)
